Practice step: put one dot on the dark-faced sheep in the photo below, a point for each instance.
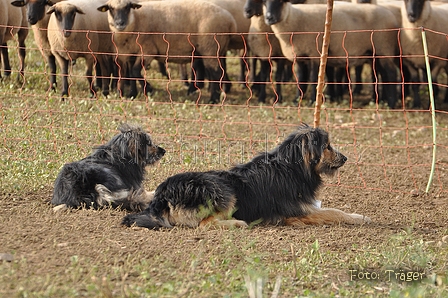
(353, 40)
(173, 31)
(12, 22)
(266, 46)
(76, 29)
(38, 19)
(417, 14)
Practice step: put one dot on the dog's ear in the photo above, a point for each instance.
(313, 145)
(126, 127)
(305, 146)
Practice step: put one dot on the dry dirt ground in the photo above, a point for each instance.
(88, 253)
(48, 244)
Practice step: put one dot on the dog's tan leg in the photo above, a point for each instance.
(223, 223)
(328, 216)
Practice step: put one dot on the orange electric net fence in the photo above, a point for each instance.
(389, 148)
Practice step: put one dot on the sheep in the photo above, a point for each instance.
(35, 13)
(285, 18)
(263, 49)
(12, 22)
(75, 30)
(418, 14)
(237, 41)
(174, 31)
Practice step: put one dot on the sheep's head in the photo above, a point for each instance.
(35, 9)
(414, 9)
(65, 14)
(120, 15)
(253, 8)
(273, 10)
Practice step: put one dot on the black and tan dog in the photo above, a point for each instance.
(112, 175)
(277, 187)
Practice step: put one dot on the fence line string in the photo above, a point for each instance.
(432, 108)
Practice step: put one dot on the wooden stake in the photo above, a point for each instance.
(323, 63)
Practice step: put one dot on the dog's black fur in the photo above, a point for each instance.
(276, 187)
(117, 167)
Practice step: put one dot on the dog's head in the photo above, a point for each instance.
(133, 144)
(311, 147)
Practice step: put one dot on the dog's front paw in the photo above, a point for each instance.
(61, 207)
(360, 219)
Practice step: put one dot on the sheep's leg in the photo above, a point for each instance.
(51, 60)
(330, 73)
(388, 74)
(287, 73)
(162, 69)
(197, 75)
(89, 74)
(302, 70)
(137, 74)
(279, 78)
(106, 71)
(183, 74)
(414, 79)
(99, 75)
(63, 64)
(22, 34)
(253, 70)
(225, 80)
(341, 78)
(242, 75)
(265, 69)
(358, 79)
(215, 91)
(5, 58)
(335, 77)
(313, 81)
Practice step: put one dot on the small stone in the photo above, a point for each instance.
(415, 193)
(6, 257)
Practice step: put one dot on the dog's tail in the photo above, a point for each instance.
(146, 219)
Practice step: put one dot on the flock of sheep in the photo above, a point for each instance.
(119, 38)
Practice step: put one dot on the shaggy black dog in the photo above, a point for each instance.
(112, 175)
(277, 187)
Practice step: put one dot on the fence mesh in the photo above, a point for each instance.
(389, 150)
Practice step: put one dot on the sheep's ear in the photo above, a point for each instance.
(103, 8)
(78, 10)
(49, 3)
(135, 5)
(50, 10)
(18, 3)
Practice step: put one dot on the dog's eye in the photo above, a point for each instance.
(328, 147)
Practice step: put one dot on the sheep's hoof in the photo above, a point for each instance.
(227, 87)
(64, 96)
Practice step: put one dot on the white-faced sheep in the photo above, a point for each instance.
(417, 14)
(12, 22)
(38, 19)
(353, 40)
(76, 29)
(173, 31)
